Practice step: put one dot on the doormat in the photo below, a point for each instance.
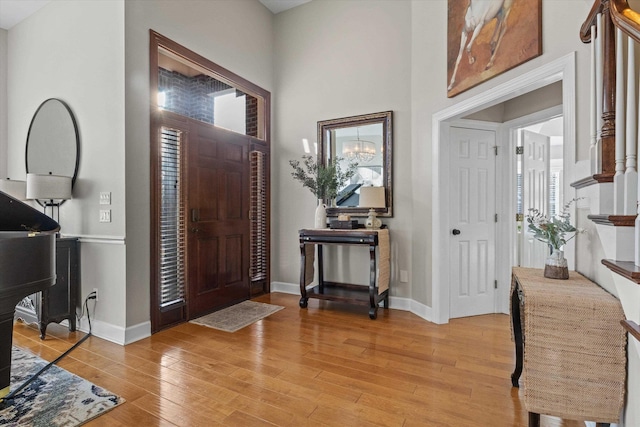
(56, 398)
(236, 317)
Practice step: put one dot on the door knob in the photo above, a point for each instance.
(455, 232)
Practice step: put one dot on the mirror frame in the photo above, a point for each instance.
(386, 118)
(74, 139)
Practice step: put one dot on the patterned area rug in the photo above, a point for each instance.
(237, 316)
(56, 398)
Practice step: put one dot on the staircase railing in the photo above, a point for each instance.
(613, 29)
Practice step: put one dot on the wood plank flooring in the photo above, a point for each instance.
(327, 365)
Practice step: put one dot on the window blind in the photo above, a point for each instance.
(172, 225)
(258, 217)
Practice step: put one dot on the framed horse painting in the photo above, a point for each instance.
(488, 37)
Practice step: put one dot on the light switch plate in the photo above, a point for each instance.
(105, 197)
(105, 215)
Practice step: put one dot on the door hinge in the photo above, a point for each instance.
(495, 149)
(520, 149)
(495, 284)
(496, 218)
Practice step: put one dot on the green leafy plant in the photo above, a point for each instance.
(323, 180)
(552, 231)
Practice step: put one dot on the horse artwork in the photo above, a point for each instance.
(488, 37)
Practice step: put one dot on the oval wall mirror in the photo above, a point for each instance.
(53, 143)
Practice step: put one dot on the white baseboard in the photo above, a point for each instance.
(137, 332)
(285, 288)
(116, 334)
(397, 303)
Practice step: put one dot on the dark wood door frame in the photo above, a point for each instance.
(161, 319)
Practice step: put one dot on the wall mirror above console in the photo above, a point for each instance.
(52, 152)
(366, 140)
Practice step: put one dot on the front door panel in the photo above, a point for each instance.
(218, 238)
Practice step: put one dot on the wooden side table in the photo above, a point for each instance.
(571, 345)
(379, 273)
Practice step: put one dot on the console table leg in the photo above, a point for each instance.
(43, 330)
(517, 334)
(303, 275)
(373, 289)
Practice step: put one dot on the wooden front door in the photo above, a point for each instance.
(217, 218)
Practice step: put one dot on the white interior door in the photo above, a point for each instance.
(535, 169)
(472, 210)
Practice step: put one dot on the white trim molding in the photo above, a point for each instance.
(561, 69)
(116, 334)
(105, 240)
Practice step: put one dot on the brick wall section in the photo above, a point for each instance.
(191, 97)
(251, 116)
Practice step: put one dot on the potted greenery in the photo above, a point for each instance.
(324, 181)
(553, 232)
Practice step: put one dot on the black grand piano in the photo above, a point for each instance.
(27, 265)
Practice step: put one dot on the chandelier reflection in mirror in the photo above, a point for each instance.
(359, 150)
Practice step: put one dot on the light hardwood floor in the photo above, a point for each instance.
(325, 365)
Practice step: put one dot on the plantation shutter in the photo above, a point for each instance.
(172, 225)
(258, 212)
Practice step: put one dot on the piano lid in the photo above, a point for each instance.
(18, 216)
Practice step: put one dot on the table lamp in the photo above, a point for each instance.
(372, 198)
(49, 190)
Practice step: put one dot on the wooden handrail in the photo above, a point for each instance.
(585, 30)
(632, 328)
(623, 17)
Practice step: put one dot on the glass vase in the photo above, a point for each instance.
(555, 266)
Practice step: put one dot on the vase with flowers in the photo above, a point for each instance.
(555, 231)
(324, 181)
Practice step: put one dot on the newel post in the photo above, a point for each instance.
(609, 94)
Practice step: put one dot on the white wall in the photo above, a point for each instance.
(237, 35)
(337, 59)
(72, 50)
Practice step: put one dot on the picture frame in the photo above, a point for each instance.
(510, 36)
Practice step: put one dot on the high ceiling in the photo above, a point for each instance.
(277, 6)
(14, 11)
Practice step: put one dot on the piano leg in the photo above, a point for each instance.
(6, 332)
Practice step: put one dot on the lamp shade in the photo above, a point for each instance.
(48, 187)
(372, 197)
(16, 189)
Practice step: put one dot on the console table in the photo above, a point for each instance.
(568, 332)
(59, 301)
(378, 289)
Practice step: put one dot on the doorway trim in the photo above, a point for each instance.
(507, 175)
(561, 69)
